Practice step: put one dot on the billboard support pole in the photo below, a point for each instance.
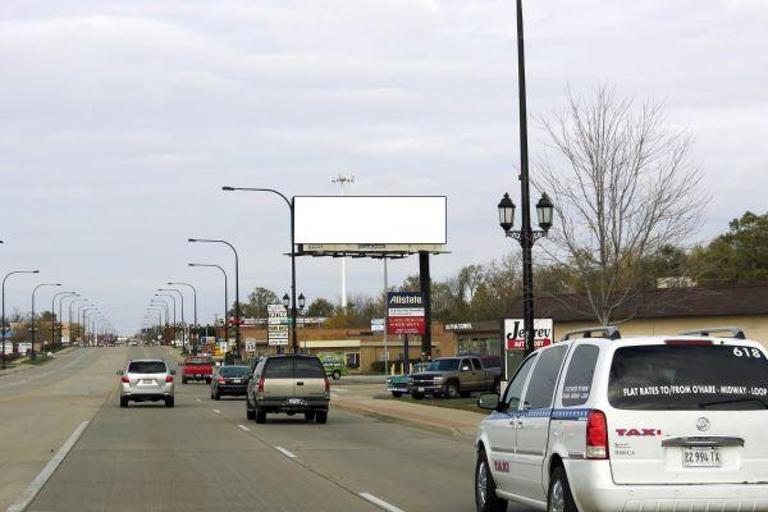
(425, 286)
(386, 314)
(406, 356)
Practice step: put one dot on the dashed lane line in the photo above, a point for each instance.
(243, 427)
(379, 502)
(285, 452)
(217, 411)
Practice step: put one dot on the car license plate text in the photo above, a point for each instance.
(704, 457)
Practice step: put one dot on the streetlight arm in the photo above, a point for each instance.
(252, 189)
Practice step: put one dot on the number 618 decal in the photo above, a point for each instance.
(747, 352)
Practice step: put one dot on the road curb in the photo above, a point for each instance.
(393, 418)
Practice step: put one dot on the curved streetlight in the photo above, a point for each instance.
(194, 304)
(226, 294)
(159, 296)
(53, 312)
(34, 328)
(71, 330)
(292, 209)
(3, 330)
(181, 296)
(237, 287)
(80, 326)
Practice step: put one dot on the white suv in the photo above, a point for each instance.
(649, 423)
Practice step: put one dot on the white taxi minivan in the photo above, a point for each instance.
(593, 424)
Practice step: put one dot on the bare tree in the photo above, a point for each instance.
(624, 187)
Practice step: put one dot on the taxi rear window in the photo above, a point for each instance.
(688, 377)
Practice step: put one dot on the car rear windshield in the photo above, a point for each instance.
(279, 368)
(198, 361)
(688, 377)
(147, 367)
(231, 371)
(308, 368)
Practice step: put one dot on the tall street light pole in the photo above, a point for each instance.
(34, 329)
(226, 294)
(80, 326)
(194, 305)
(290, 203)
(3, 330)
(61, 317)
(71, 323)
(181, 296)
(237, 288)
(173, 299)
(158, 303)
(53, 314)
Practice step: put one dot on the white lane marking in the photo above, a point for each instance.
(341, 390)
(26, 497)
(334, 395)
(379, 502)
(198, 400)
(285, 452)
(217, 411)
(243, 427)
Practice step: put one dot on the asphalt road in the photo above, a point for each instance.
(205, 455)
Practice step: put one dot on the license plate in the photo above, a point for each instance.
(149, 382)
(420, 389)
(704, 457)
(295, 401)
(237, 381)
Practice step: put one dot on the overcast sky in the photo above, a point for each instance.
(120, 121)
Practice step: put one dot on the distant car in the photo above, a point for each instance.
(197, 368)
(146, 380)
(230, 380)
(398, 384)
(291, 384)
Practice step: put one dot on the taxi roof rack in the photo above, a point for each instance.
(735, 332)
(610, 332)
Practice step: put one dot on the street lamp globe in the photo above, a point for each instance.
(302, 301)
(545, 210)
(506, 213)
(286, 300)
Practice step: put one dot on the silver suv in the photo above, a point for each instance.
(600, 424)
(146, 380)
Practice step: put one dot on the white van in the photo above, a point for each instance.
(651, 423)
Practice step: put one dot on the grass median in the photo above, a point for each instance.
(463, 404)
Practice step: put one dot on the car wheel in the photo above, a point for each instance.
(485, 487)
(183, 380)
(261, 416)
(452, 390)
(249, 413)
(309, 415)
(336, 375)
(208, 381)
(397, 394)
(123, 402)
(464, 394)
(417, 396)
(559, 497)
(321, 417)
(170, 402)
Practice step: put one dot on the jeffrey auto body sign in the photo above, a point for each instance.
(514, 333)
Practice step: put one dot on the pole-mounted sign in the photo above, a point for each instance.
(277, 325)
(405, 313)
(515, 333)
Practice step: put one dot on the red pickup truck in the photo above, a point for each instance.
(197, 368)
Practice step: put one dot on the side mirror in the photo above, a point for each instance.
(173, 372)
(488, 401)
(119, 372)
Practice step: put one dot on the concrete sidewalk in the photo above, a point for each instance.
(440, 419)
(19, 365)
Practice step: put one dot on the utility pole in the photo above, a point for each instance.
(342, 180)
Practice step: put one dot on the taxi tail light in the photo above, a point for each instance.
(261, 385)
(220, 380)
(125, 379)
(169, 378)
(597, 435)
(327, 384)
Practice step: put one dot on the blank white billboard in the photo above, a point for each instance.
(371, 219)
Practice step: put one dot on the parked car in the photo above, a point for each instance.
(146, 380)
(398, 384)
(452, 377)
(197, 368)
(230, 380)
(648, 423)
(291, 384)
